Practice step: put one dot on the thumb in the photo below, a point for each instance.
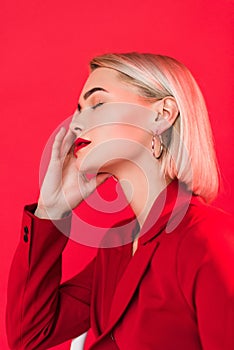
(95, 181)
(101, 177)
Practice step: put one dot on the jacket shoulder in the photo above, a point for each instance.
(207, 239)
(205, 222)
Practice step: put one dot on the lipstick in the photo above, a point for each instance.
(80, 143)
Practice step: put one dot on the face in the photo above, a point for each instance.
(115, 119)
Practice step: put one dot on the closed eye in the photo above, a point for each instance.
(97, 105)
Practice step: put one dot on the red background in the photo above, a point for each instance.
(45, 49)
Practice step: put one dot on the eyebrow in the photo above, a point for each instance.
(89, 93)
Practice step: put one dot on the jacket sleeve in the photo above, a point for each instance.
(206, 275)
(41, 312)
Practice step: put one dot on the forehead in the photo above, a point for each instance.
(101, 77)
(110, 80)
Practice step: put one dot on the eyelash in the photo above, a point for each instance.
(97, 105)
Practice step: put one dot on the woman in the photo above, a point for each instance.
(162, 281)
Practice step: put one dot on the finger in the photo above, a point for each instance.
(57, 144)
(82, 177)
(67, 142)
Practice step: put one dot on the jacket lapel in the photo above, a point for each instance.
(130, 280)
(127, 286)
(162, 216)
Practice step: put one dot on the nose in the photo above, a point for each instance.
(75, 125)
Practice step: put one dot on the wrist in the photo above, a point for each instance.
(51, 214)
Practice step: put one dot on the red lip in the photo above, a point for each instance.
(80, 143)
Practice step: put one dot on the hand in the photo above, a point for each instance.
(64, 187)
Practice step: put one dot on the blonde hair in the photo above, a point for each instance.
(191, 158)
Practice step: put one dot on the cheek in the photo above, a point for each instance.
(117, 141)
(119, 132)
(135, 135)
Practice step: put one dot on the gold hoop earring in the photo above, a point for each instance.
(153, 146)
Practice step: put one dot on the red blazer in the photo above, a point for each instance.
(176, 292)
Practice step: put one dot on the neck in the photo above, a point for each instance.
(141, 187)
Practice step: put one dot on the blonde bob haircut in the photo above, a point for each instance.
(191, 157)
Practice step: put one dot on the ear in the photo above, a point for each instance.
(167, 111)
